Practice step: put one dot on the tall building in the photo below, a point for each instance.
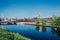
(39, 15)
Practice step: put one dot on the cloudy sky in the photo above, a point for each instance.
(29, 8)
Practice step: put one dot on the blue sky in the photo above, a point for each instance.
(29, 8)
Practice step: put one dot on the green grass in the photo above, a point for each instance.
(5, 35)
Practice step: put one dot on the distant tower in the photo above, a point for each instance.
(39, 15)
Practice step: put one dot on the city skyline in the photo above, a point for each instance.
(29, 8)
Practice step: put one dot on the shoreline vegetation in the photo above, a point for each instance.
(55, 22)
(5, 35)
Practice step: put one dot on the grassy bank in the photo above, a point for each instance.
(5, 35)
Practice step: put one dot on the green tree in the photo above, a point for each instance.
(43, 22)
(37, 22)
(53, 21)
(56, 21)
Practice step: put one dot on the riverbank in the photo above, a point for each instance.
(5, 35)
(33, 23)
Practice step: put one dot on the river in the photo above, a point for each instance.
(34, 32)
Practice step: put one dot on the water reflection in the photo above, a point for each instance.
(40, 28)
(53, 30)
(56, 31)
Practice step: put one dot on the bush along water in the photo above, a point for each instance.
(5, 35)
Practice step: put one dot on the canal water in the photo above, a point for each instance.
(35, 32)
